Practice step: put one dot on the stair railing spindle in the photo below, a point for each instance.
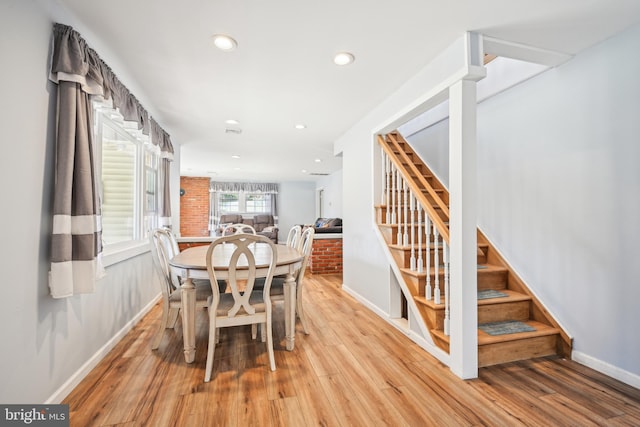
(428, 292)
(447, 315)
(436, 264)
(399, 194)
(383, 171)
(388, 186)
(412, 260)
(420, 266)
(405, 240)
(393, 193)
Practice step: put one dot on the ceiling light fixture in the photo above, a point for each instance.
(301, 126)
(224, 42)
(303, 171)
(232, 122)
(318, 160)
(343, 58)
(235, 156)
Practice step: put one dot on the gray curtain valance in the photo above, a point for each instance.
(73, 60)
(247, 187)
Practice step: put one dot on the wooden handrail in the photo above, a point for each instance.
(435, 218)
(432, 192)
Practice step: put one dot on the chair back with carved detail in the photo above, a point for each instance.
(251, 257)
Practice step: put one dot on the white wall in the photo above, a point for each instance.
(331, 187)
(45, 341)
(559, 194)
(296, 205)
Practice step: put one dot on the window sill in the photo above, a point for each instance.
(118, 253)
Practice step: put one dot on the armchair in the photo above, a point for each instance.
(265, 226)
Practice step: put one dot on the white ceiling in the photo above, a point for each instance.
(282, 72)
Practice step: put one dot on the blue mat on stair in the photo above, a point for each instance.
(506, 327)
(491, 293)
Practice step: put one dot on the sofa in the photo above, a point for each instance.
(328, 225)
(264, 224)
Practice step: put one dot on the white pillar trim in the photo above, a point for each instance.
(462, 228)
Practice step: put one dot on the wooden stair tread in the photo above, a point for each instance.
(488, 268)
(541, 330)
(486, 339)
(512, 296)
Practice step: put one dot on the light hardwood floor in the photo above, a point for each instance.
(353, 369)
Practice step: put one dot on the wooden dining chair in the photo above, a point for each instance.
(244, 306)
(163, 248)
(305, 245)
(294, 236)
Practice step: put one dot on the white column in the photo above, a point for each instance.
(463, 226)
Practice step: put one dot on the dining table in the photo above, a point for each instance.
(191, 264)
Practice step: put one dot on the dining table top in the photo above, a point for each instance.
(195, 258)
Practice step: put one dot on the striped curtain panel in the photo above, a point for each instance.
(76, 243)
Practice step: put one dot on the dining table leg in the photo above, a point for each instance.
(290, 310)
(188, 290)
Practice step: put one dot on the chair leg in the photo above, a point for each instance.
(254, 331)
(213, 331)
(267, 326)
(300, 310)
(163, 325)
(173, 317)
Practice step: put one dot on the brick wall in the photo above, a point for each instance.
(194, 206)
(326, 256)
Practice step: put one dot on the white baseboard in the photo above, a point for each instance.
(607, 369)
(93, 361)
(413, 336)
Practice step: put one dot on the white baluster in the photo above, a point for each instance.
(436, 265)
(393, 193)
(427, 228)
(445, 255)
(420, 261)
(400, 184)
(384, 172)
(405, 240)
(388, 187)
(412, 260)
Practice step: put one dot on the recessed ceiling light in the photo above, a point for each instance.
(235, 156)
(224, 42)
(317, 160)
(301, 126)
(343, 58)
(232, 122)
(303, 171)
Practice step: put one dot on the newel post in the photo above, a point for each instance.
(462, 226)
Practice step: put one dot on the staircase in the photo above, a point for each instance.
(503, 297)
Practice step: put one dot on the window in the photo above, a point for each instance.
(241, 202)
(129, 184)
